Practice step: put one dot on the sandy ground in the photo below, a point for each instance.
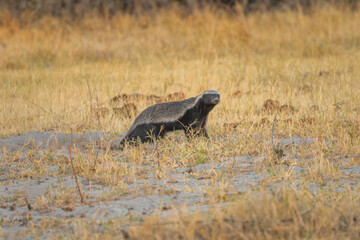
(180, 187)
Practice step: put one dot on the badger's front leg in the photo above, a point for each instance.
(196, 132)
(203, 132)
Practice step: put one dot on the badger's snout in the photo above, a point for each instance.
(216, 100)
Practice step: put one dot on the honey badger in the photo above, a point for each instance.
(189, 115)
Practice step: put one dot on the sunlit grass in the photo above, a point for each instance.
(50, 70)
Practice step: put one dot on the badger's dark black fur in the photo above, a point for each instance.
(189, 115)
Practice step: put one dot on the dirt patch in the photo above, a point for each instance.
(160, 190)
(272, 106)
(47, 140)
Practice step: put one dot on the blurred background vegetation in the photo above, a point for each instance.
(77, 9)
(60, 60)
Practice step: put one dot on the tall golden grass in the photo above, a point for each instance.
(50, 68)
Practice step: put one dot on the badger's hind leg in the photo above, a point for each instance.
(140, 133)
(144, 133)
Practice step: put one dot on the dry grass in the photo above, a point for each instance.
(54, 74)
(284, 215)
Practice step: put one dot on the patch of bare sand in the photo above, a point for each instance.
(198, 188)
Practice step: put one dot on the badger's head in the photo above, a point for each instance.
(210, 97)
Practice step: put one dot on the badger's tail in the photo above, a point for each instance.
(117, 145)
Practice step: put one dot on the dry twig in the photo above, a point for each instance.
(74, 171)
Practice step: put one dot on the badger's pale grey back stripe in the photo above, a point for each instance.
(209, 92)
(167, 112)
